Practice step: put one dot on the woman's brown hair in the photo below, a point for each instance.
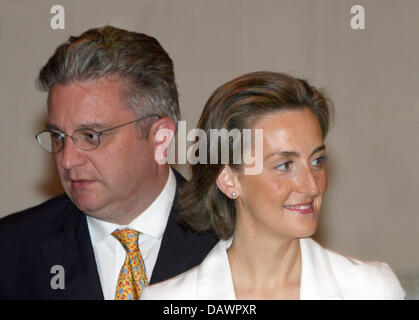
(239, 104)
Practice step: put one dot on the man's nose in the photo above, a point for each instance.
(71, 156)
(307, 183)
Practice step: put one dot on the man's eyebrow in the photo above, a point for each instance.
(94, 125)
(53, 127)
(91, 125)
(294, 154)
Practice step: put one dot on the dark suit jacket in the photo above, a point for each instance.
(56, 233)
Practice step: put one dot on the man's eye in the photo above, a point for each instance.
(55, 136)
(91, 137)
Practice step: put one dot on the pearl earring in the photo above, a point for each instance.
(233, 194)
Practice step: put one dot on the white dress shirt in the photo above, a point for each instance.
(109, 253)
(325, 275)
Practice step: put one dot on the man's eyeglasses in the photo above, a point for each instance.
(85, 139)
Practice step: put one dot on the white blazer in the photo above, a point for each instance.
(324, 275)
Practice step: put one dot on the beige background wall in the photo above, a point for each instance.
(371, 209)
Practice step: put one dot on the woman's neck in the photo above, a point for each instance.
(265, 267)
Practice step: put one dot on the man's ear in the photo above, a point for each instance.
(160, 135)
(227, 182)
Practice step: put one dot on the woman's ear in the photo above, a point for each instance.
(161, 134)
(227, 182)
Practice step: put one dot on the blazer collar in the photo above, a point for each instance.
(318, 281)
(215, 281)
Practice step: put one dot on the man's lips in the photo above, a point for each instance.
(80, 184)
(301, 207)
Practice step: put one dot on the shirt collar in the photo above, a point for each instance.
(151, 221)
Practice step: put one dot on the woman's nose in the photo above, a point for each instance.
(307, 183)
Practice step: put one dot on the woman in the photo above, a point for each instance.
(265, 220)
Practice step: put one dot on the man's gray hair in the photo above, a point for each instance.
(137, 60)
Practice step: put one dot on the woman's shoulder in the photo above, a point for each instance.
(360, 279)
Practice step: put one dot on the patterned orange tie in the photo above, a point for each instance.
(132, 278)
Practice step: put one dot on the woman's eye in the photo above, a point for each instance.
(319, 162)
(284, 166)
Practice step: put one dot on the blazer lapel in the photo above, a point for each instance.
(214, 279)
(318, 281)
(69, 246)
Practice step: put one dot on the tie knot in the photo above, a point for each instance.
(128, 239)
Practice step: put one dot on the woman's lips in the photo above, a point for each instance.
(301, 208)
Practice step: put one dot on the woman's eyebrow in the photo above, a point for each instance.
(318, 149)
(283, 154)
(294, 154)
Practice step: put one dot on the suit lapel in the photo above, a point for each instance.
(318, 281)
(172, 253)
(69, 246)
(181, 249)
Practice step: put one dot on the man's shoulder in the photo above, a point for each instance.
(34, 217)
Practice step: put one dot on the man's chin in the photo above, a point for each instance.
(87, 204)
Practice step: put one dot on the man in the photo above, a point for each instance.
(110, 94)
